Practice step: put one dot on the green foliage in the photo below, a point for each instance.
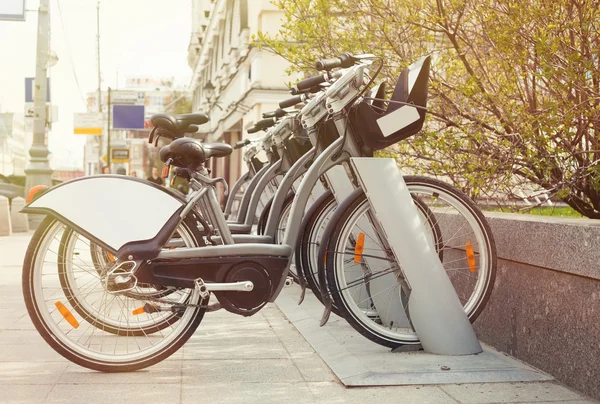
(182, 105)
(514, 93)
(561, 211)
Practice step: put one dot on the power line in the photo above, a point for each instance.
(64, 30)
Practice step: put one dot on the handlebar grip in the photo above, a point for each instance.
(328, 64)
(278, 113)
(241, 143)
(290, 102)
(344, 60)
(311, 90)
(253, 129)
(311, 82)
(265, 123)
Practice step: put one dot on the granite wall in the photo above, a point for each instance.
(545, 307)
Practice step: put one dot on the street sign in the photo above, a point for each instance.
(30, 94)
(127, 97)
(119, 155)
(128, 116)
(12, 10)
(88, 123)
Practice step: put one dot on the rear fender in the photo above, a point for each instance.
(111, 210)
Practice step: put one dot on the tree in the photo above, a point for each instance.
(181, 104)
(514, 92)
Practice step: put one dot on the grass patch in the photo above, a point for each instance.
(561, 211)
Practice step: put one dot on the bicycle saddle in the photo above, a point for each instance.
(191, 153)
(178, 124)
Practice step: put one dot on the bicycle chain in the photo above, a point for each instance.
(170, 303)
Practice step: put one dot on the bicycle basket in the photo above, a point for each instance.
(379, 128)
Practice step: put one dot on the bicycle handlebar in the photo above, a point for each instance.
(311, 90)
(265, 123)
(306, 84)
(253, 129)
(241, 143)
(290, 102)
(278, 113)
(344, 60)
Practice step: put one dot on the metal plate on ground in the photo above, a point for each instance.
(356, 361)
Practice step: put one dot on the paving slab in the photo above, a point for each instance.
(165, 372)
(357, 361)
(30, 373)
(332, 393)
(23, 393)
(244, 393)
(239, 371)
(510, 393)
(114, 393)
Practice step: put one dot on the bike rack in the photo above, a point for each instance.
(434, 309)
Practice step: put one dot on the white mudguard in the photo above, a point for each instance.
(113, 209)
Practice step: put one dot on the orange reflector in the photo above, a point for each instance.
(358, 249)
(165, 171)
(33, 192)
(139, 310)
(470, 257)
(110, 257)
(67, 314)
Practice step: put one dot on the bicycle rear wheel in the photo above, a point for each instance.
(81, 263)
(82, 339)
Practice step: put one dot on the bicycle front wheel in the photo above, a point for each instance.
(366, 282)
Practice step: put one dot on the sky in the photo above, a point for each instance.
(137, 38)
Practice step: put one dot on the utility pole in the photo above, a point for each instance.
(38, 171)
(108, 132)
(98, 40)
(99, 77)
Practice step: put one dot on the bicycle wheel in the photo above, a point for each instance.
(83, 340)
(366, 282)
(307, 249)
(315, 228)
(283, 216)
(264, 216)
(75, 274)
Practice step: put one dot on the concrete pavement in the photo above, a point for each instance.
(230, 359)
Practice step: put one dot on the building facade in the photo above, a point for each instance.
(233, 81)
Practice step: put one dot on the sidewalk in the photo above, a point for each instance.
(230, 359)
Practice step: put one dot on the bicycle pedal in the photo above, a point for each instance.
(201, 288)
(289, 281)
